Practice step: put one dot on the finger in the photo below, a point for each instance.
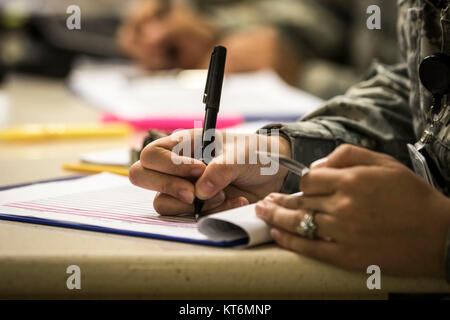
(289, 201)
(177, 187)
(323, 181)
(347, 155)
(320, 163)
(317, 249)
(326, 204)
(165, 204)
(289, 220)
(159, 156)
(217, 176)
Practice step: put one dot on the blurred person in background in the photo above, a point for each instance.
(321, 46)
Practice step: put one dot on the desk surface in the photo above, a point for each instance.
(33, 258)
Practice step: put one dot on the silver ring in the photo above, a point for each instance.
(307, 227)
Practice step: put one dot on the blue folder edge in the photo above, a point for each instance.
(71, 225)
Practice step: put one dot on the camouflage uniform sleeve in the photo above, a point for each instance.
(372, 114)
(299, 22)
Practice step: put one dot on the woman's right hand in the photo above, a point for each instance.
(224, 183)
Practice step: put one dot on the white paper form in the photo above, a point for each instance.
(110, 203)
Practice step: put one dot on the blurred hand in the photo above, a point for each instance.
(161, 37)
(221, 184)
(369, 209)
(177, 37)
(260, 48)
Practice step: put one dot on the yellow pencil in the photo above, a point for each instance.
(53, 131)
(95, 168)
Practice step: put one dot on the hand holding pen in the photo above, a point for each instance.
(224, 186)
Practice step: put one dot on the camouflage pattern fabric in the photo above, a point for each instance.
(389, 108)
(300, 22)
(329, 36)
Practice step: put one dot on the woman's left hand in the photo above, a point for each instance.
(369, 210)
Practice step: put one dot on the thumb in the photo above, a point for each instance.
(217, 175)
(348, 155)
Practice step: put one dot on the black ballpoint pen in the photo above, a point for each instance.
(211, 99)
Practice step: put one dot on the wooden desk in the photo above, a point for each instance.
(33, 258)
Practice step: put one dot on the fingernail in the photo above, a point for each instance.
(319, 163)
(268, 204)
(197, 172)
(243, 202)
(186, 196)
(206, 188)
(260, 210)
(261, 204)
(273, 197)
(275, 234)
(265, 207)
(238, 202)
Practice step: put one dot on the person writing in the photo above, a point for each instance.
(367, 205)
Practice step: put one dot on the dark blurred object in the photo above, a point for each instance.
(42, 44)
(2, 74)
(152, 135)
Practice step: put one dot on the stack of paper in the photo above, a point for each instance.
(127, 93)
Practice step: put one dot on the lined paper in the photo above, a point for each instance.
(111, 201)
(116, 204)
